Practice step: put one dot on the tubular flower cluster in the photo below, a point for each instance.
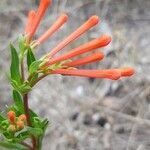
(68, 61)
(16, 123)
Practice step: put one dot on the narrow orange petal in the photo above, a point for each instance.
(29, 24)
(127, 71)
(92, 45)
(85, 60)
(92, 21)
(112, 74)
(39, 15)
(59, 22)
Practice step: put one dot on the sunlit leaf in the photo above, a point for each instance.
(30, 57)
(34, 66)
(14, 68)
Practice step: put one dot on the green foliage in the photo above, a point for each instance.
(12, 146)
(34, 66)
(14, 68)
(12, 134)
(30, 57)
(18, 101)
(1, 118)
(23, 88)
(22, 45)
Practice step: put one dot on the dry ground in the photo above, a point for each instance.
(89, 114)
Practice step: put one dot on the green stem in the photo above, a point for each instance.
(26, 107)
(36, 81)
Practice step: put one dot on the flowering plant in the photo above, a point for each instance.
(22, 128)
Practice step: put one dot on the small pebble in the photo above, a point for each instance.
(101, 121)
(87, 120)
(74, 116)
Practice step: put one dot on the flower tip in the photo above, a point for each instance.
(64, 17)
(127, 72)
(105, 40)
(100, 55)
(46, 2)
(94, 19)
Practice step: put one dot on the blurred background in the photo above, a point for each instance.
(84, 113)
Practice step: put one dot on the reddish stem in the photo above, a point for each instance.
(27, 113)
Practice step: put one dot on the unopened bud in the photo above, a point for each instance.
(22, 118)
(11, 117)
(20, 124)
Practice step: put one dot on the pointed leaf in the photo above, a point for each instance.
(30, 57)
(14, 68)
(1, 118)
(35, 131)
(34, 66)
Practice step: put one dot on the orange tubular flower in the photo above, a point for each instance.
(92, 21)
(65, 67)
(125, 72)
(31, 16)
(59, 22)
(92, 45)
(11, 117)
(39, 15)
(112, 74)
(89, 59)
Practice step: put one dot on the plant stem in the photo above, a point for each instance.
(27, 113)
(26, 107)
(25, 144)
(40, 78)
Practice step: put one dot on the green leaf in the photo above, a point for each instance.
(30, 57)
(14, 84)
(24, 88)
(21, 135)
(1, 118)
(45, 123)
(14, 68)
(18, 100)
(33, 114)
(13, 146)
(4, 125)
(35, 131)
(34, 66)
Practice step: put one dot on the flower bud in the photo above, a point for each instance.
(20, 125)
(22, 118)
(11, 117)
